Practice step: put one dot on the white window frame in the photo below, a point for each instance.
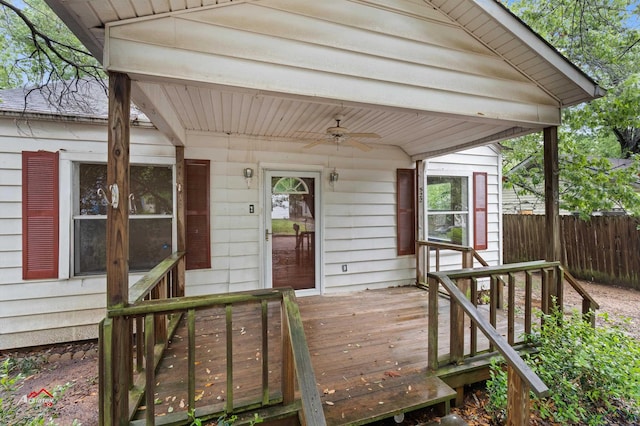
(469, 211)
(68, 191)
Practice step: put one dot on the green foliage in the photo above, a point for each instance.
(27, 413)
(603, 38)
(593, 374)
(37, 48)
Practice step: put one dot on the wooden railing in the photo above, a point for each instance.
(468, 257)
(156, 312)
(462, 287)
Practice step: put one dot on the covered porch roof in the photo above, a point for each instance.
(429, 77)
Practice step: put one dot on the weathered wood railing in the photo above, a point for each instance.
(461, 285)
(468, 258)
(155, 311)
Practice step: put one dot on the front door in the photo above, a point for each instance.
(291, 226)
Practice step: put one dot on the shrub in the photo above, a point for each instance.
(593, 374)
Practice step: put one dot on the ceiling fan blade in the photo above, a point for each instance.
(364, 135)
(314, 143)
(357, 144)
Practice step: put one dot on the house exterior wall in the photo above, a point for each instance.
(358, 212)
(464, 163)
(36, 312)
(358, 219)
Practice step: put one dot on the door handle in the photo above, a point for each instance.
(266, 234)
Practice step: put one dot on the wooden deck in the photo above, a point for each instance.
(368, 349)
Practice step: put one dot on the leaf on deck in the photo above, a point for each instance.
(391, 373)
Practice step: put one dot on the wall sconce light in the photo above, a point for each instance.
(333, 177)
(248, 175)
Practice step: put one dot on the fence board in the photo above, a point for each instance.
(603, 249)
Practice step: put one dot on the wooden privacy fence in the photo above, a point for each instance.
(604, 249)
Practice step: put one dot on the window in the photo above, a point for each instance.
(40, 215)
(448, 209)
(150, 217)
(406, 211)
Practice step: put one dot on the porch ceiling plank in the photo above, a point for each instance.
(142, 7)
(191, 97)
(180, 97)
(105, 11)
(124, 8)
(154, 102)
(177, 4)
(208, 110)
(160, 6)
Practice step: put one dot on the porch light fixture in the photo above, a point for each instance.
(248, 175)
(333, 177)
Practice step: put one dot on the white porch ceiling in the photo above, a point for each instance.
(468, 72)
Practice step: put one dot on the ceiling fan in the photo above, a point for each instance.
(339, 135)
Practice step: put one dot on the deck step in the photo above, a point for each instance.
(370, 402)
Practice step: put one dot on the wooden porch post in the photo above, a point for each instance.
(180, 219)
(421, 271)
(118, 243)
(552, 202)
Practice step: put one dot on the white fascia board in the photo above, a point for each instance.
(520, 30)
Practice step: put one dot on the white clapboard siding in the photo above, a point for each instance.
(37, 312)
(481, 159)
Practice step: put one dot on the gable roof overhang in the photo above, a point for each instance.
(430, 77)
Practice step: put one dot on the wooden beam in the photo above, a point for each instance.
(552, 193)
(118, 241)
(180, 220)
(420, 231)
(552, 202)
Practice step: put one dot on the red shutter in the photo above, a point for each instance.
(198, 242)
(39, 215)
(406, 211)
(480, 211)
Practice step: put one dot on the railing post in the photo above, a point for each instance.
(117, 238)
(518, 402)
(288, 366)
(179, 278)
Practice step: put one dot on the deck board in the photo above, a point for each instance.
(367, 349)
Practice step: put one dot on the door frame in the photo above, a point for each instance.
(267, 258)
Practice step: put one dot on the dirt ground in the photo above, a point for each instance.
(74, 366)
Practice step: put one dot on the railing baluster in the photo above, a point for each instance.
(265, 352)
(139, 344)
(511, 309)
(493, 304)
(149, 367)
(544, 304)
(473, 333)
(456, 327)
(434, 325)
(191, 357)
(559, 275)
(528, 309)
(229, 322)
(437, 259)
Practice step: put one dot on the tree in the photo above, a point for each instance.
(32, 57)
(602, 38)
